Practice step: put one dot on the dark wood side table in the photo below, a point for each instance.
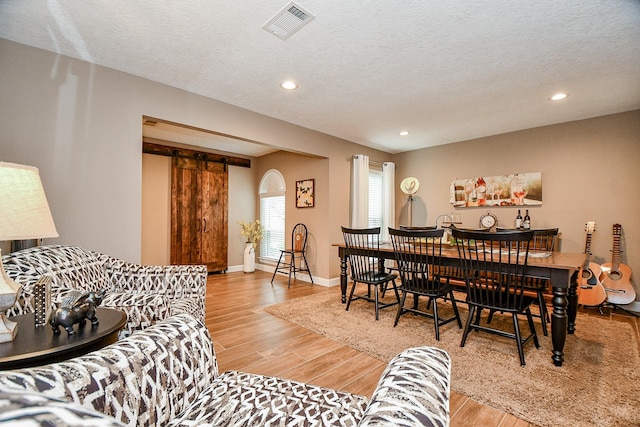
(35, 346)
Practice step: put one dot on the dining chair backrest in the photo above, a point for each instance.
(418, 257)
(544, 239)
(366, 243)
(494, 265)
(299, 237)
(417, 228)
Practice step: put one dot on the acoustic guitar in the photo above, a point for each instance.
(616, 277)
(590, 289)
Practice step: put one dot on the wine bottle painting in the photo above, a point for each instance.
(520, 189)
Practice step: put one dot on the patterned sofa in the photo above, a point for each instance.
(167, 375)
(146, 294)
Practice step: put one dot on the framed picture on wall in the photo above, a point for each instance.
(305, 193)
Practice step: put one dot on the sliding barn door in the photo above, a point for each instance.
(199, 192)
(214, 234)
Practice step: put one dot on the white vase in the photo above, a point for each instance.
(249, 258)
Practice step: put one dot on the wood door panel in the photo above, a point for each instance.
(185, 213)
(199, 194)
(214, 205)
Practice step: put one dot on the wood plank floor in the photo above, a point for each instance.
(248, 339)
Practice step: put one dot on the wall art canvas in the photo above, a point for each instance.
(305, 193)
(519, 189)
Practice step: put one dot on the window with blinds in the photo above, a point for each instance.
(375, 198)
(272, 216)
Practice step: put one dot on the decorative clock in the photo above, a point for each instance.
(488, 221)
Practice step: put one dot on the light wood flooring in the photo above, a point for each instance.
(248, 339)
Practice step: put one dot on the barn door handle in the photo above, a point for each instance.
(204, 224)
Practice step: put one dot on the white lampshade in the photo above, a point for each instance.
(24, 214)
(24, 211)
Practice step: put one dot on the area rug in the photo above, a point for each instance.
(596, 386)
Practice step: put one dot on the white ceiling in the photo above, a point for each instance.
(445, 70)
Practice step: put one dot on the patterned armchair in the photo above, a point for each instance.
(167, 375)
(146, 294)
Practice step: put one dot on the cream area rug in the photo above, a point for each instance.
(596, 386)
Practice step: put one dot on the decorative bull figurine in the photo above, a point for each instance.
(76, 308)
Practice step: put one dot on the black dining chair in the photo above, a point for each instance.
(418, 256)
(394, 267)
(544, 240)
(367, 267)
(293, 259)
(494, 265)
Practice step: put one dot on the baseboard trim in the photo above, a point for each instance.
(301, 276)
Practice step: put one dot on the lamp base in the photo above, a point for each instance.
(8, 329)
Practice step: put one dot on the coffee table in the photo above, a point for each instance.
(35, 346)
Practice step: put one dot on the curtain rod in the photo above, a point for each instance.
(373, 162)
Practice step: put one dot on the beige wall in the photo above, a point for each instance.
(156, 210)
(243, 205)
(81, 125)
(590, 172)
(296, 167)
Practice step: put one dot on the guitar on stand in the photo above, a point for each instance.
(616, 277)
(590, 289)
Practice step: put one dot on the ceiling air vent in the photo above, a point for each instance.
(288, 21)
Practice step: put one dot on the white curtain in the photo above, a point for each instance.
(360, 191)
(389, 195)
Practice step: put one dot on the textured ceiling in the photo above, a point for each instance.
(445, 70)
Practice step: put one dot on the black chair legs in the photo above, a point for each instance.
(375, 298)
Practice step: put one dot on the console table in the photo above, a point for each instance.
(35, 346)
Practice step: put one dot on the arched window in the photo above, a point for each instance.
(272, 214)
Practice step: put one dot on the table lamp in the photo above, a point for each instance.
(24, 214)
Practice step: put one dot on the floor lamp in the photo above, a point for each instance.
(24, 214)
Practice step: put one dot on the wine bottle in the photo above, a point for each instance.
(526, 223)
(519, 220)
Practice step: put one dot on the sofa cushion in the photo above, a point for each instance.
(142, 310)
(70, 267)
(144, 292)
(243, 399)
(186, 305)
(412, 391)
(33, 409)
(143, 380)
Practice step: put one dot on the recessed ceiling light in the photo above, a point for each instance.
(404, 133)
(558, 96)
(289, 85)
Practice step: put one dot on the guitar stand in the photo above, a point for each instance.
(615, 307)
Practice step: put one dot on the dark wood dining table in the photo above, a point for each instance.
(561, 268)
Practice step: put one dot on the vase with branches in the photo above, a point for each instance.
(252, 231)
